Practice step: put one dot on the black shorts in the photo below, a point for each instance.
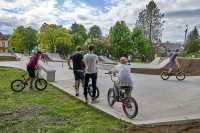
(31, 72)
(78, 75)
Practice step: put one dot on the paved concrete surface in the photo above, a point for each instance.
(159, 101)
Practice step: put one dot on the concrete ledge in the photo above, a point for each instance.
(47, 72)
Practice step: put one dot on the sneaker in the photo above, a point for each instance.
(94, 100)
(86, 100)
(77, 94)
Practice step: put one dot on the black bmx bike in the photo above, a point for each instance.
(179, 74)
(19, 85)
(118, 94)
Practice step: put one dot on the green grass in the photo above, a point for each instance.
(7, 58)
(50, 111)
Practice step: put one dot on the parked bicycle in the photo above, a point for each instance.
(118, 94)
(18, 85)
(180, 75)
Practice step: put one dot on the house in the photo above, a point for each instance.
(3, 43)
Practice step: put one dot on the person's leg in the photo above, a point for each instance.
(31, 82)
(170, 70)
(87, 76)
(128, 91)
(82, 79)
(31, 77)
(77, 83)
(94, 81)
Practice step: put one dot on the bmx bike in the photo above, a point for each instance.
(119, 94)
(18, 85)
(179, 74)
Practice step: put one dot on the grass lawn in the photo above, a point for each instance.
(7, 58)
(50, 111)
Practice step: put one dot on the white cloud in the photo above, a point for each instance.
(35, 12)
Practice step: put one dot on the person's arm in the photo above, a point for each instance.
(97, 58)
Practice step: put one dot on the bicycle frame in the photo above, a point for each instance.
(116, 88)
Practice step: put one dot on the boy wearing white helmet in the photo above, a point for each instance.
(124, 70)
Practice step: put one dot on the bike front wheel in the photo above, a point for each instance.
(111, 97)
(130, 107)
(90, 91)
(164, 75)
(17, 85)
(180, 76)
(40, 84)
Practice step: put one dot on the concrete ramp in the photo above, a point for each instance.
(157, 63)
(55, 57)
(106, 60)
(150, 68)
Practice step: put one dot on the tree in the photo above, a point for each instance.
(150, 20)
(142, 46)
(193, 41)
(95, 32)
(79, 35)
(23, 39)
(120, 39)
(51, 35)
(77, 28)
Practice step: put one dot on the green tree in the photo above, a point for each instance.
(95, 32)
(51, 35)
(193, 42)
(142, 46)
(79, 35)
(23, 39)
(150, 20)
(120, 39)
(100, 47)
(77, 28)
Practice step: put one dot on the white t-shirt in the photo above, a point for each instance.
(124, 75)
(91, 63)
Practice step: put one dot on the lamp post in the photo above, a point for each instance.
(186, 31)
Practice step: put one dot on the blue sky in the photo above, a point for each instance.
(100, 12)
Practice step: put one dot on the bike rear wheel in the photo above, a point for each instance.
(90, 91)
(40, 84)
(17, 85)
(164, 75)
(180, 76)
(111, 97)
(130, 107)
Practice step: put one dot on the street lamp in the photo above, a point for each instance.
(186, 31)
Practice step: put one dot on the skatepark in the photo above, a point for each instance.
(159, 101)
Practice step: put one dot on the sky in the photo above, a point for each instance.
(103, 13)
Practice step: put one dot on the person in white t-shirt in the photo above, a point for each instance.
(124, 71)
(90, 60)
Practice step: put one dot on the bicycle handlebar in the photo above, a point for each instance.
(111, 76)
